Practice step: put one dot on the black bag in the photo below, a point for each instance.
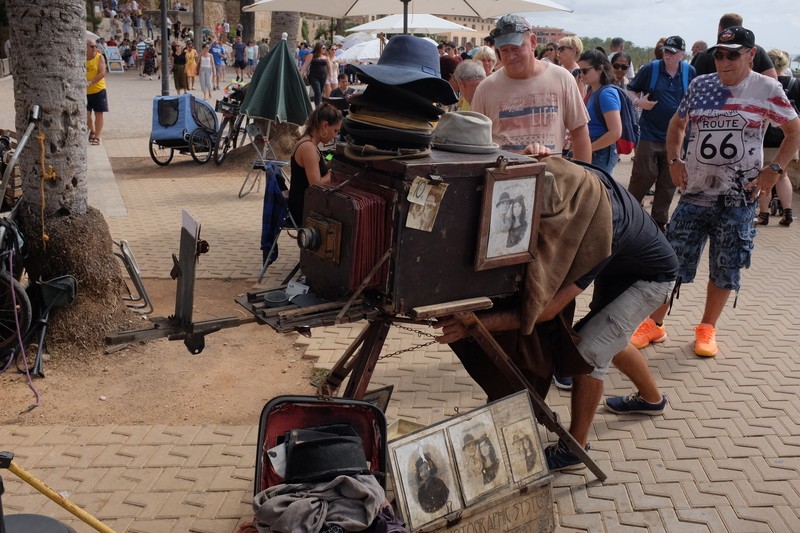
(773, 137)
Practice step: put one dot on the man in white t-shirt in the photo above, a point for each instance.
(722, 174)
(531, 101)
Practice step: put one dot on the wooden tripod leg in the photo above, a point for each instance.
(360, 359)
(511, 372)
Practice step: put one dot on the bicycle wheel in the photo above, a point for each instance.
(161, 155)
(238, 132)
(200, 146)
(223, 143)
(8, 324)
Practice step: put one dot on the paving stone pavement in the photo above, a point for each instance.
(725, 456)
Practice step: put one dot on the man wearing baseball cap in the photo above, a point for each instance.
(723, 172)
(531, 101)
(705, 64)
(658, 103)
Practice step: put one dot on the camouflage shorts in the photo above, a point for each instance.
(730, 231)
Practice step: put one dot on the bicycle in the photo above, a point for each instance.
(231, 131)
(15, 306)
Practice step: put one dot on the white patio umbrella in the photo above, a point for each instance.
(366, 52)
(354, 39)
(350, 8)
(416, 23)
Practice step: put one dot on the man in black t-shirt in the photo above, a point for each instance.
(637, 276)
(704, 62)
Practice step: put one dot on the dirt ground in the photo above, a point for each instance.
(160, 382)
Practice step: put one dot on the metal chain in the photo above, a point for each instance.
(414, 347)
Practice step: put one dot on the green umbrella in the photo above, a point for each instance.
(276, 89)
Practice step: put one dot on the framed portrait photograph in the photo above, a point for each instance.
(509, 216)
(478, 456)
(524, 450)
(424, 477)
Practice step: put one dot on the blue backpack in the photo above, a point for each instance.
(655, 66)
(627, 113)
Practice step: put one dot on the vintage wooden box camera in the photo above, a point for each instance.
(357, 236)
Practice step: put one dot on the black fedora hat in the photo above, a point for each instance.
(384, 136)
(412, 63)
(398, 100)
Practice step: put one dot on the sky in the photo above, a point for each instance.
(775, 23)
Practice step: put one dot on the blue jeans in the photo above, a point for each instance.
(606, 158)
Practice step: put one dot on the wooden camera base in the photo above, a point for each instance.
(361, 356)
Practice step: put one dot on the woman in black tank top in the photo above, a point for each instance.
(307, 164)
(316, 66)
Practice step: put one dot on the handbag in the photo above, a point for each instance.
(306, 81)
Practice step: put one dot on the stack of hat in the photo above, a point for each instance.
(396, 114)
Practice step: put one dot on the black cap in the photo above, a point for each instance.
(675, 44)
(734, 38)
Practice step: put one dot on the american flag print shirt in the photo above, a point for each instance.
(726, 132)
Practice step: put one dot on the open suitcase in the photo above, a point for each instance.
(283, 414)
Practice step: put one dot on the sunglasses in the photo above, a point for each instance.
(730, 56)
(562, 48)
(585, 71)
(549, 49)
(620, 66)
(92, 46)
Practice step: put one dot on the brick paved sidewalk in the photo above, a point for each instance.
(724, 457)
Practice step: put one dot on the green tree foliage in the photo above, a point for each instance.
(304, 30)
(639, 55)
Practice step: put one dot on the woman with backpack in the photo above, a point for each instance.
(605, 128)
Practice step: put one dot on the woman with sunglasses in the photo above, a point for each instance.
(604, 131)
(620, 63)
(548, 54)
(568, 51)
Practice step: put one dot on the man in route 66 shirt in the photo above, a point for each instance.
(722, 174)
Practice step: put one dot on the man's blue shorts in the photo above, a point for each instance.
(730, 231)
(97, 102)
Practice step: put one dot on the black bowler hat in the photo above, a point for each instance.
(385, 137)
(413, 63)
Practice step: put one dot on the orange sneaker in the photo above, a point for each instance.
(705, 343)
(647, 333)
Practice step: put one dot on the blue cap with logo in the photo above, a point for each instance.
(510, 30)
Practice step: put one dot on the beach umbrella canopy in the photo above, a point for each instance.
(276, 89)
(416, 23)
(351, 8)
(366, 52)
(355, 38)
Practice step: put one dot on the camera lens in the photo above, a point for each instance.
(308, 238)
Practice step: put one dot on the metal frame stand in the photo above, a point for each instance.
(180, 326)
(361, 356)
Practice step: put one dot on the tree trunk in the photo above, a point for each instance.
(285, 21)
(248, 20)
(63, 235)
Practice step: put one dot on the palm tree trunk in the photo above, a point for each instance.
(63, 235)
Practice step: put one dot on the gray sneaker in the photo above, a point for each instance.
(635, 404)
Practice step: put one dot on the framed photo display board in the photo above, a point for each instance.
(509, 220)
(482, 455)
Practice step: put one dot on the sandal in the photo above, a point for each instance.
(787, 218)
(94, 141)
(763, 219)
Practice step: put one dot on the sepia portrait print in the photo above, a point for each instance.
(422, 216)
(509, 216)
(426, 479)
(478, 457)
(524, 450)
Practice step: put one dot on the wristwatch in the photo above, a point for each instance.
(775, 167)
(673, 161)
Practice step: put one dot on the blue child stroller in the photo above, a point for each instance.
(182, 123)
